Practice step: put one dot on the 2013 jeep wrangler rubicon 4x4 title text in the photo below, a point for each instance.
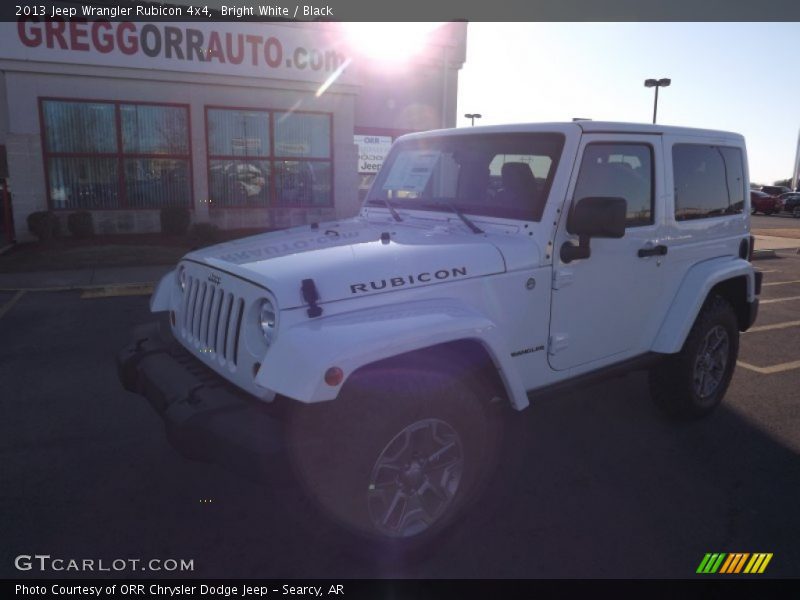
(486, 264)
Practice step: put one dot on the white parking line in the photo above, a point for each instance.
(773, 300)
(780, 283)
(769, 271)
(790, 366)
(7, 306)
(774, 326)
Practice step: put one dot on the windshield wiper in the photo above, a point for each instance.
(388, 205)
(467, 221)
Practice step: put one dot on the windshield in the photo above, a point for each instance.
(499, 175)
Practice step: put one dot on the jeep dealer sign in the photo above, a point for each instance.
(372, 151)
(309, 53)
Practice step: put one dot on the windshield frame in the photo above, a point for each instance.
(555, 139)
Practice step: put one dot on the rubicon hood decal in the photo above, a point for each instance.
(406, 280)
(349, 260)
(269, 248)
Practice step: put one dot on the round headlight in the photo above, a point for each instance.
(182, 278)
(266, 320)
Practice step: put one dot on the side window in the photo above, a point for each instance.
(709, 181)
(622, 171)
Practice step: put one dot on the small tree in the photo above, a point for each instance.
(44, 225)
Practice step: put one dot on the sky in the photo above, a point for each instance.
(741, 77)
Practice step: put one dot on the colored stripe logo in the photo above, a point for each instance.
(734, 563)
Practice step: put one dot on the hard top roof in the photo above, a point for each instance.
(584, 126)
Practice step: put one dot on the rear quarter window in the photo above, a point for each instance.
(709, 181)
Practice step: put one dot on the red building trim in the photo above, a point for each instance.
(270, 158)
(120, 155)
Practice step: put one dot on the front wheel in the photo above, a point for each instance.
(398, 456)
(692, 383)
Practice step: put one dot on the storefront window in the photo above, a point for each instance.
(238, 143)
(156, 182)
(89, 183)
(238, 133)
(302, 135)
(111, 155)
(303, 182)
(80, 127)
(268, 158)
(148, 129)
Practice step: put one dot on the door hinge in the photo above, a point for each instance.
(562, 278)
(557, 343)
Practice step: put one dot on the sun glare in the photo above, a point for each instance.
(388, 42)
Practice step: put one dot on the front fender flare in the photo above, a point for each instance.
(295, 366)
(161, 298)
(694, 290)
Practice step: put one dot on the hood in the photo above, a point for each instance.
(353, 258)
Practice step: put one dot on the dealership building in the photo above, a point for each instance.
(248, 125)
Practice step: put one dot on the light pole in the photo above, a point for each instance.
(472, 117)
(656, 83)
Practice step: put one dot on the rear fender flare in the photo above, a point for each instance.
(693, 291)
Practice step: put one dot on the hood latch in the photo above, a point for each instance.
(311, 296)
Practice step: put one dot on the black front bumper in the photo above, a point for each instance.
(205, 417)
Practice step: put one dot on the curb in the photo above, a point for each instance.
(761, 254)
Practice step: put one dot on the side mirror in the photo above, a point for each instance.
(594, 216)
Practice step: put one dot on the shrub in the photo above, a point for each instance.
(80, 224)
(44, 225)
(203, 234)
(175, 220)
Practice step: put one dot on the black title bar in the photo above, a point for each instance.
(411, 10)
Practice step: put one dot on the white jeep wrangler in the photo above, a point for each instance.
(383, 352)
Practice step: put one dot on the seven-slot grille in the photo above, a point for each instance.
(211, 319)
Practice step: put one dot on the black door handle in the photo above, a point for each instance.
(659, 250)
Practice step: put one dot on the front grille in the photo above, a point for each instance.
(212, 319)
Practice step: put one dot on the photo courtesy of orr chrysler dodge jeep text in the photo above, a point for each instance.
(486, 265)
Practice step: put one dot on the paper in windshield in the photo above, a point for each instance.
(411, 170)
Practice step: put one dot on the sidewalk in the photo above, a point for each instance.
(81, 279)
(771, 242)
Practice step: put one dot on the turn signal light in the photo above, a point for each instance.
(334, 376)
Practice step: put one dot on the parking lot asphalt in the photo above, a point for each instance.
(593, 482)
(777, 221)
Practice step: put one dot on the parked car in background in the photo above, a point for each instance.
(762, 202)
(775, 190)
(791, 203)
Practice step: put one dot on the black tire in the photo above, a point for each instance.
(335, 447)
(681, 385)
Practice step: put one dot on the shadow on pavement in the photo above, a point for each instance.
(593, 483)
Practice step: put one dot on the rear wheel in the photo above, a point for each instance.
(692, 383)
(398, 456)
